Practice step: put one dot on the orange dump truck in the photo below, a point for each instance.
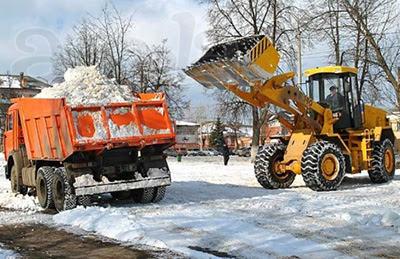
(67, 154)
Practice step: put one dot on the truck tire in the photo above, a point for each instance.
(159, 193)
(85, 200)
(148, 195)
(323, 166)
(64, 197)
(122, 195)
(264, 167)
(16, 186)
(383, 162)
(44, 179)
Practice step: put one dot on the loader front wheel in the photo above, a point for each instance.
(44, 192)
(63, 195)
(265, 167)
(383, 162)
(323, 166)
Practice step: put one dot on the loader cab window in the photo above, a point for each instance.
(339, 93)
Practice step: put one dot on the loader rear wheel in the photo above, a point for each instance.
(64, 197)
(265, 168)
(148, 195)
(16, 186)
(383, 162)
(44, 192)
(323, 166)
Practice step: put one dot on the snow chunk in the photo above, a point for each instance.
(18, 202)
(85, 85)
(6, 253)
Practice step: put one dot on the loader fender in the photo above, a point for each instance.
(382, 133)
(337, 140)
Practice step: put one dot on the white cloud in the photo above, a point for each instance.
(182, 22)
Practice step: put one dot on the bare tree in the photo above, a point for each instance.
(82, 47)
(230, 19)
(152, 70)
(375, 19)
(113, 28)
(363, 34)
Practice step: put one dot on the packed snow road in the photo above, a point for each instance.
(213, 210)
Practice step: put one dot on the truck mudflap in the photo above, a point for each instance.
(85, 185)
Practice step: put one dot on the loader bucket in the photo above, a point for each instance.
(241, 62)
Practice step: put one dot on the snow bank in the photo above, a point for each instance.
(18, 202)
(85, 85)
(11, 200)
(386, 218)
(6, 254)
(192, 227)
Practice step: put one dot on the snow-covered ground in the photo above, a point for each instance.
(7, 254)
(212, 210)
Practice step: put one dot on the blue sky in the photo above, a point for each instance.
(31, 30)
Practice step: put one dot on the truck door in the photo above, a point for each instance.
(8, 138)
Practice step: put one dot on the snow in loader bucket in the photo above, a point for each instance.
(240, 62)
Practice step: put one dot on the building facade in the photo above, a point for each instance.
(187, 136)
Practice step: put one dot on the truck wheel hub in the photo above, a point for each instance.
(330, 167)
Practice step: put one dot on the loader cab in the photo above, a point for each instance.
(335, 87)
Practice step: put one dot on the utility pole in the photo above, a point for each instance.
(299, 58)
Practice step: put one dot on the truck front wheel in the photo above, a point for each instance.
(44, 193)
(16, 186)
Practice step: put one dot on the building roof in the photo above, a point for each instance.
(187, 123)
(14, 81)
(244, 130)
(330, 70)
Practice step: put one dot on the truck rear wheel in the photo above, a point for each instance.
(148, 195)
(122, 195)
(383, 162)
(64, 198)
(266, 170)
(44, 193)
(16, 186)
(323, 166)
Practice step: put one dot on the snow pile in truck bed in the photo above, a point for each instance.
(86, 85)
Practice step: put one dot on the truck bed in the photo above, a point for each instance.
(53, 130)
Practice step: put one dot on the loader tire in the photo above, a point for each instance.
(148, 195)
(383, 162)
(265, 169)
(63, 193)
(16, 186)
(44, 192)
(323, 166)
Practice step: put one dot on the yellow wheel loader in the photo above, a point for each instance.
(332, 132)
